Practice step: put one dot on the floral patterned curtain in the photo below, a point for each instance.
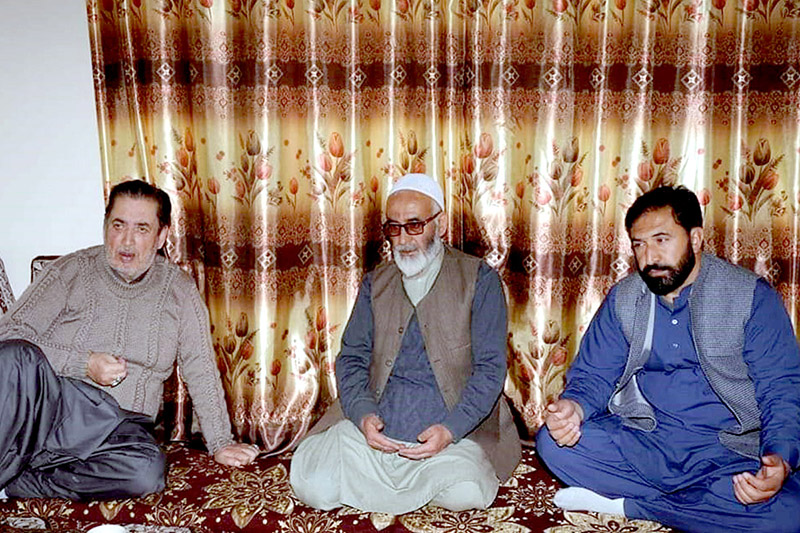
(278, 126)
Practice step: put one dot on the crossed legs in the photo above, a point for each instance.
(596, 464)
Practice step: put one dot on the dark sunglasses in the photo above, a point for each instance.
(415, 227)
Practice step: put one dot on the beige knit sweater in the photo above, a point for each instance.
(79, 305)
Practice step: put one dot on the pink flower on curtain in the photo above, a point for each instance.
(645, 171)
(332, 174)
(563, 180)
(735, 202)
(291, 195)
(468, 163)
(484, 147)
(576, 176)
(213, 186)
(544, 197)
(263, 168)
(325, 162)
(658, 168)
(754, 189)
(411, 143)
(183, 157)
(661, 151)
(762, 153)
(335, 145)
(318, 336)
(558, 356)
(235, 348)
(252, 173)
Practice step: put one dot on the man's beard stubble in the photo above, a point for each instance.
(675, 277)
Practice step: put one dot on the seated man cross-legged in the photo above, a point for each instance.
(84, 354)
(421, 418)
(683, 404)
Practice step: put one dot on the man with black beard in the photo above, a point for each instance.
(420, 417)
(683, 405)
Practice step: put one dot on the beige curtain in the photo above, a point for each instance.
(277, 126)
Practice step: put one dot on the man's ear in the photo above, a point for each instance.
(162, 237)
(442, 224)
(696, 238)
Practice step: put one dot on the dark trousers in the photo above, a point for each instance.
(63, 438)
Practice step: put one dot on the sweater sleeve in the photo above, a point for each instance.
(198, 365)
(488, 332)
(773, 360)
(56, 298)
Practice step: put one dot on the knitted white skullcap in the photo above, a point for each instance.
(420, 183)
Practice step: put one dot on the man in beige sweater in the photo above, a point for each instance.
(84, 354)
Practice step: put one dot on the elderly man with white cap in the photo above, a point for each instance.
(420, 418)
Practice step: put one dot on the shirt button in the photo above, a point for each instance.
(389, 363)
(674, 321)
(674, 344)
(400, 330)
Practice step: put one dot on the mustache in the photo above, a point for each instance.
(649, 268)
(405, 247)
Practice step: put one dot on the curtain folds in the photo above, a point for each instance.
(278, 126)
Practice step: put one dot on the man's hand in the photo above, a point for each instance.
(764, 484)
(433, 440)
(106, 369)
(236, 454)
(563, 419)
(372, 428)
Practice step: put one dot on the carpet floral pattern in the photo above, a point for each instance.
(204, 497)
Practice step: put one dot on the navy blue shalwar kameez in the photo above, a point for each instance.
(679, 474)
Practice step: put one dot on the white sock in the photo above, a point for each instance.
(580, 499)
(3, 494)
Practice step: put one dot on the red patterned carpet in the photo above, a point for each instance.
(204, 497)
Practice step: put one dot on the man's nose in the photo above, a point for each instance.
(127, 236)
(404, 237)
(651, 256)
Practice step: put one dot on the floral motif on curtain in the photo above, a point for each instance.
(278, 126)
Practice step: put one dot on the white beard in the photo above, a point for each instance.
(413, 265)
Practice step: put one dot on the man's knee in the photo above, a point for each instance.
(466, 495)
(783, 518)
(316, 487)
(149, 473)
(547, 449)
(317, 491)
(21, 352)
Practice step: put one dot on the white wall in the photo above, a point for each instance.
(51, 194)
